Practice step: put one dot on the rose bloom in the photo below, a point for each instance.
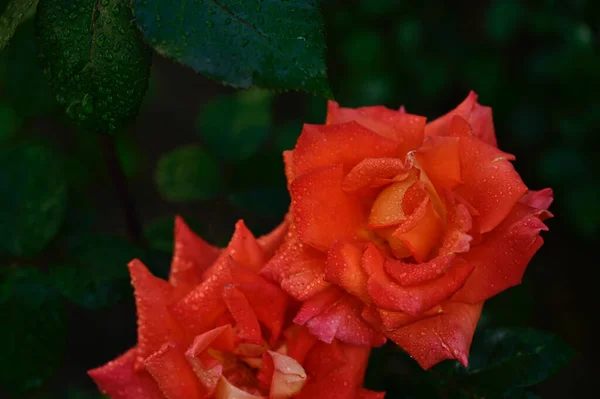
(217, 329)
(402, 228)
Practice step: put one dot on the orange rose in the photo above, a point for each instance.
(403, 229)
(217, 329)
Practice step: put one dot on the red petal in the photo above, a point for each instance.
(290, 170)
(173, 374)
(119, 380)
(343, 268)
(406, 129)
(191, 256)
(247, 328)
(458, 223)
(417, 298)
(336, 371)
(369, 172)
(333, 314)
(368, 394)
(411, 274)
(297, 268)
(323, 212)
(244, 248)
(445, 336)
(538, 199)
(439, 159)
(441, 125)
(299, 341)
(387, 209)
(321, 146)
(207, 368)
(491, 184)
(288, 376)
(483, 125)
(421, 232)
(272, 241)
(500, 260)
(155, 324)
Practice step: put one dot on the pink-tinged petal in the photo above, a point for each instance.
(459, 127)
(441, 125)
(501, 258)
(490, 183)
(347, 144)
(207, 368)
(288, 376)
(119, 379)
(370, 172)
(417, 298)
(297, 268)
(323, 212)
(482, 123)
(336, 371)
(191, 256)
(299, 342)
(405, 129)
(173, 373)
(538, 199)
(272, 241)
(155, 323)
(289, 168)
(343, 268)
(439, 158)
(412, 274)
(445, 336)
(333, 314)
(247, 328)
(226, 390)
(421, 231)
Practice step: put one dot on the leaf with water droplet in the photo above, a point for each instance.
(9, 20)
(241, 43)
(96, 62)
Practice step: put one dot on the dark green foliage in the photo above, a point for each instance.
(270, 44)
(94, 60)
(11, 17)
(33, 199)
(33, 332)
(187, 174)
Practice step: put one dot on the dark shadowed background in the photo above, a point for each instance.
(67, 306)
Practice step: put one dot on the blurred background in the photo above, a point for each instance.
(213, 155)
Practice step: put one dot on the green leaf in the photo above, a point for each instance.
(23, 81)
(10, 19)
(274, 45)
(95, 274)
(9, 122)
(504, 358)
(94, 59)
(187, 174)
(33, 201)
(234, 126)
(33, 332)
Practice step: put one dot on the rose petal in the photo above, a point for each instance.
(439, 158)
(412, 274)
(405, 129)
(225, 390)
(119, 380)
(370, 171)
(334, 314)
(417, 298)
(247, 328)
(500, 260)
(538, 199)
(445, 336)
(347, 144)
(155, 323)
(482, 123)
(323, 212)
(288, 377)
(299, 342)
(272, 241)
(173, 373)
(298, 268)
(441, 125)
(343, 268)
(388, 210)
(191, 256)
(289, 168)
(490, 183)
